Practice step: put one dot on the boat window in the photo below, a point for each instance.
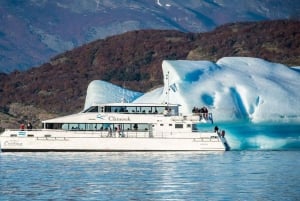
(57, 126)
(92, 109)
(127, 127)
(65, 127)
(53, 125)
(107, 126)
(143, 127)
(146, 109)
(99, 127)
(81, 127)
(49, 126)
(137, 127)
(94, 127)
(178, 125)
(188, 125)
(133, 109)
(91, 127)
(133, 127)
(159, 110)
(115, 109)
(73, 127)
(138, 109)
(107, 109)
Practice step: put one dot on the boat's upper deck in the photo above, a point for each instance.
(134, 108)
(131, 113)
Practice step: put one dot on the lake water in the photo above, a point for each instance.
(264, 165)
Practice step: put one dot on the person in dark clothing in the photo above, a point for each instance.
(29, 126)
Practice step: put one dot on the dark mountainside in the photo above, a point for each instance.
(33, 31)
(134, 58)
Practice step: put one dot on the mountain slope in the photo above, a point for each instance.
(134, 59)
(33, 31)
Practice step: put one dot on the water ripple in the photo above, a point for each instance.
(235, 175)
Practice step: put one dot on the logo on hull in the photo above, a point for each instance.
(13, 143)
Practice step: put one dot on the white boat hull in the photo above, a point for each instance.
(94, 142)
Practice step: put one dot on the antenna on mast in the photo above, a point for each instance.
(168, 90)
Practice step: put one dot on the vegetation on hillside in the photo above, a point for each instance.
(135, 58)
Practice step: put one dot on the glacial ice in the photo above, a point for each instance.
(233, 88)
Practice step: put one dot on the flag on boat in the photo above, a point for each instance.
(173, 87)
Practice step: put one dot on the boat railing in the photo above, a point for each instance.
(203, 115)
(52, 134)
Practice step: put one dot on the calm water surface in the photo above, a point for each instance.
(264, 165)
(234, 175)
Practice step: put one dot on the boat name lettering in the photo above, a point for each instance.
(113, 118)
(13, 143)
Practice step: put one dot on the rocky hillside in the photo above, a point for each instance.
(134, 58)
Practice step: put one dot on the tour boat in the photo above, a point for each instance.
(121, 127)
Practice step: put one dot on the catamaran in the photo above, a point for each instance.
(120, 127)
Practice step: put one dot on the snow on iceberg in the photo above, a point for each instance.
(233, 88)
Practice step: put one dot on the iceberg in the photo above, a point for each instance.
(100, 91)
(233, 89)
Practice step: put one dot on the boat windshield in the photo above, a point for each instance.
(91, 109)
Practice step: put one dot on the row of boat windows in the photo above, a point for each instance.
(107, 126)
(100, 127)
(133, 109)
